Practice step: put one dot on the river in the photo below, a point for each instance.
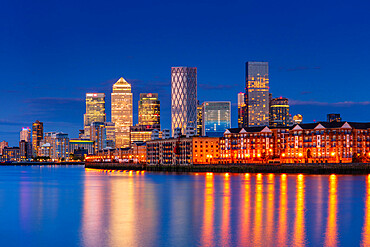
(74, 206)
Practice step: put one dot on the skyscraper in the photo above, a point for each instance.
(95, 110)
(37, 136)
(149, 109)
(257, 90)
(241, 110)
(25, 134)
(122, 112)
(199, 119)
(98, 134)
(183, 98)
(216, 118)
(279, 112)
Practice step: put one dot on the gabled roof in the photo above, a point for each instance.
(319, 127)
(359, 125)
(233, 130)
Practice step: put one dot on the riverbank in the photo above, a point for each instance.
(346, 168)
(41, 163)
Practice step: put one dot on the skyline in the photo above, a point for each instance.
(52, 58)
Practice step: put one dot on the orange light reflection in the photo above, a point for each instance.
(331, 238)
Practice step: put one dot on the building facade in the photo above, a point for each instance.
(279, 112)
(3, 144)
(257, 93)
(79, 144)
(11, 154)
(37, 136)
(183, 151)
(149, 109)
(95, 110)
(25, 149)
(334, 117)
(183, 98)
(122, 112)
(199, 119)
(110, 130)
(323, 142)
(25, 134)
(216, 118)
(241, 110)
(142, 133)
(98, 135)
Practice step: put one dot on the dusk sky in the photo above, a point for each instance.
(53, 52)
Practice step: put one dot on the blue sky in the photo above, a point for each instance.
(52, 53)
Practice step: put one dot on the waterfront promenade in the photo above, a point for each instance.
(310, 168)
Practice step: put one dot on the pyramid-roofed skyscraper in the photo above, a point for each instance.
(122, 112)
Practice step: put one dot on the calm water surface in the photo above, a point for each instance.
(71, 206)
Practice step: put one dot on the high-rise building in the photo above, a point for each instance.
(3, 144)
(37, 136)
(122, 112)
(110, 129)
(183, 98)
(216, 118)
(241, 110)
(95, 110)
(25, 134)
(257, 90)
(98, 135)
(199, 119)
(149, 109)
(25, 150)
(334, 117)
(279, 112)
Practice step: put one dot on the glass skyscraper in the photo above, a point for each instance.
(149, 109)
(216, 118)
(257, 93)
(122, 112)
(279, 112)
(95, 110)
(183, 98)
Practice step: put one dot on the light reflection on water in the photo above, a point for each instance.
(69, 206)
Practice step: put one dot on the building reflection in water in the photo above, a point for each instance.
(366, 229)
(225, 227)
(282, 231)
(299, 224)
(331, 224)
(244, 233)
(208, 211)
(269, 233)
(258, 211)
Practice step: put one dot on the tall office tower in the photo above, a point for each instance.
(241, 110)
(199, 119)
(334, 117)
(279, 112)
(110, 129)
(59, 146)
(216, 118)
(37, 136)
(149, 109)
(257, 90)
(95, 110)
(122, 112)
(98, 135)
(25, 134)
(183, 98)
